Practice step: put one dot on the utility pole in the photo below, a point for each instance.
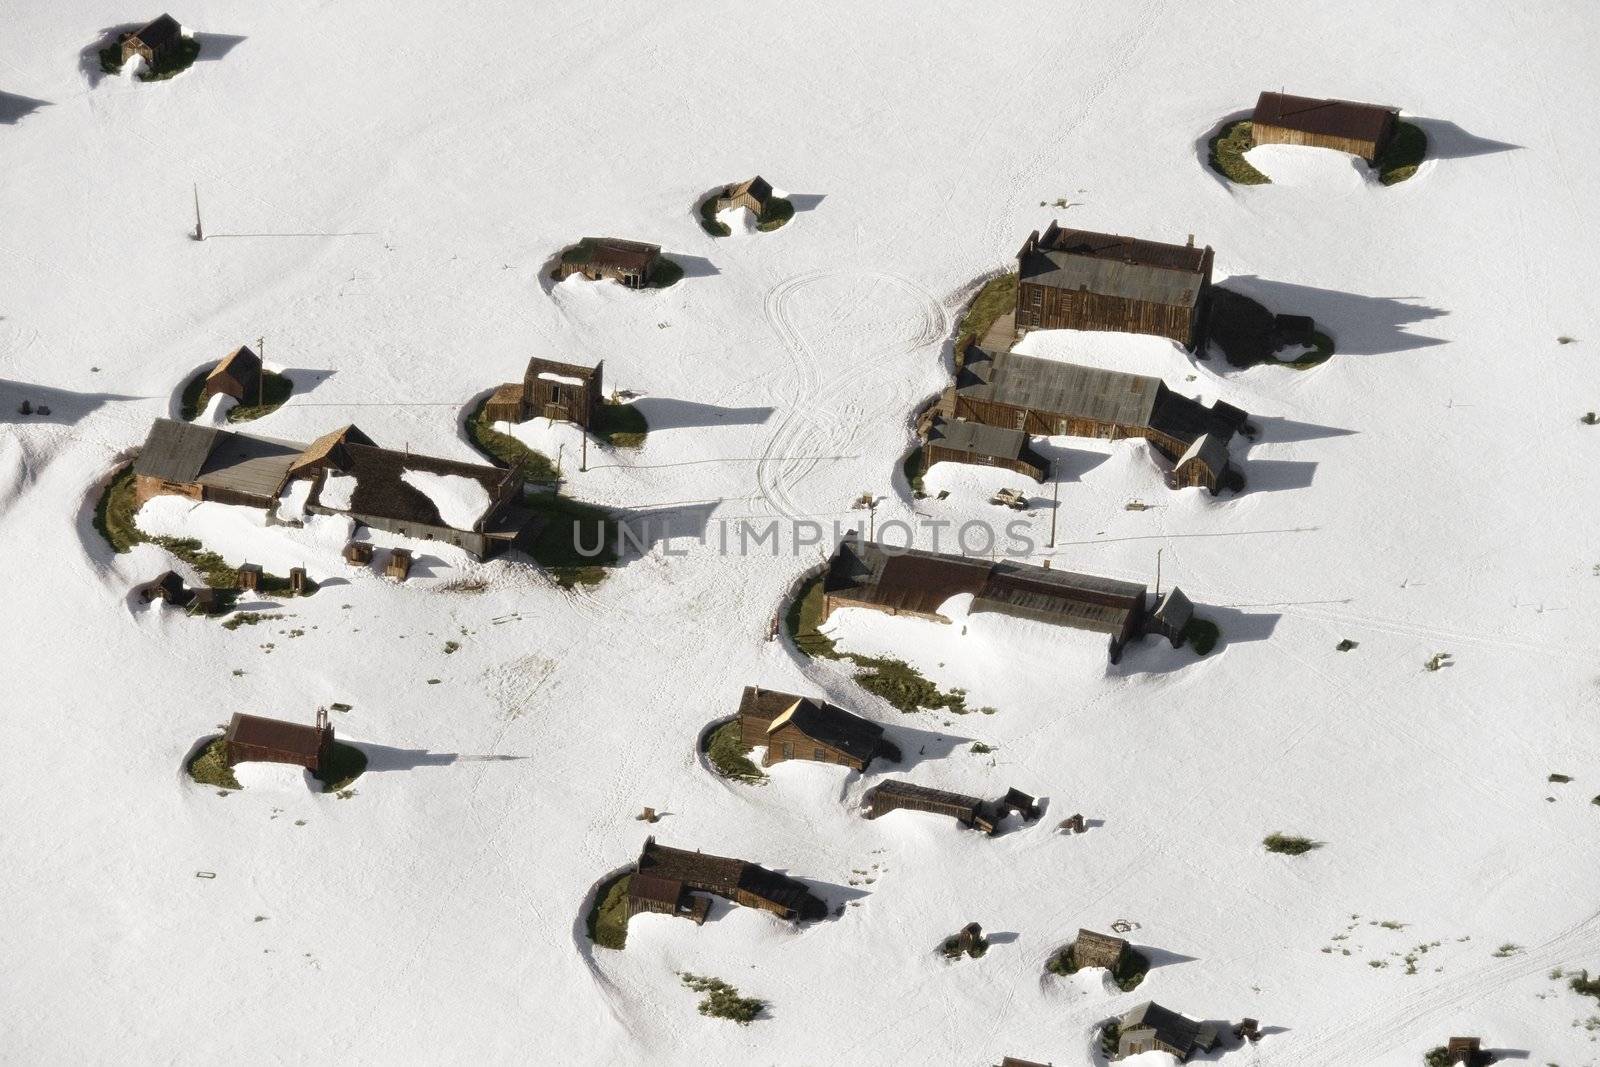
(199, 233)
(1158, 573)
(1055, 506)
(261, 373)
(583, 465)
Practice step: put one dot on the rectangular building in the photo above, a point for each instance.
(1363, 130)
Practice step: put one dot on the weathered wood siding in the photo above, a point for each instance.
(1265, 133)
(803, 747)
(1048, 424)
(1045, 307)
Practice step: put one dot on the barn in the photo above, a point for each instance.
(899, 795)
(1363, 130)
(960, 441)
(262, 740)
(665, 896)
(916, 582)
(1050, 398)
(238, 375)
(565, 392)
(795, 727)
(1081, 280)
(630, 262)
(736, 880)
(754, 195)
(1149, 1027)
(205, 463)
(156, 42)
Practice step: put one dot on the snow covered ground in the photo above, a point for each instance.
(377, 204)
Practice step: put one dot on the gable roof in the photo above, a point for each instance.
(977, 439)
(175, 451)
(1174, 611)
(720, 874)
(1050, 385)
(904, 790)
(1329, 118)
(329, 448)
(1112, 265)
(160, 31)
(1209, 449)
(613, 252)
(240, 361)
(539, 365)
(261, 732)
(1172, 1029)
(832, 726)
(758, 188)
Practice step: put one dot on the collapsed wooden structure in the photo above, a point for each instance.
(907, 581)
(1082, 280)
(667, 880)
(263, 740)
(563, 392)
(1363, 130)
(1149, 1027)
(795, 727)
(896, 794)
(632, 263)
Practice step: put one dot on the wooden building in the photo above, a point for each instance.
(565, 392)
(1149, 1027)
(156, 42)
(262, 740)
(1052, 398)
(630, 262)
(736, 880)
(1363, 130)
(754, 194)
(238, 374)
(1099, 950)
(961, 441)
(795, 727)
(1465, 1052)
(665, 896)
(865, 574)
(1081, 280)
(205, 463)
(1171, 617)
(899, 795)
(166, 587)
(1012, 1061)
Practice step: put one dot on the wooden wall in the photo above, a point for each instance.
(1367, 150)
(1046, 307)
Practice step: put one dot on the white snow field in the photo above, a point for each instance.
(381, 181)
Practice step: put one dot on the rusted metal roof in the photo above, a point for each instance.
(1066, 389)
(275, 734)
(1327, 118)
(175, 451)
(1111, 265)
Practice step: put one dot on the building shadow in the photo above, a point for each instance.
(1276, 430)
(806, 201)
(693, 266)
(1001, 937)
(836, 897)
(1495, 1055)
(1067, 464)
(669, 413)
(62, 407)
(915, 747)
(641, 530)
(389, 758)
(1155, 655)
(1238, 627)
(1447, 140)
(89, 55)
(1359, 325)
(1276, 475)
(215, 45)
(14, 108)
(1160, 957)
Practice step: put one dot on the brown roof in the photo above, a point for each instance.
(614, 252)
(160, 32)
(382, 492)
(719, 874)
(240, 361)
(831, 726)
(758, 188)
(1330, 118)
(275, 734)
(1111, 265)
(322, 448)
(655, 888)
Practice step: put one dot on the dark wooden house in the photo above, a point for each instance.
(1464, 1052)
(960, 441)
(262, 740)
(1171, 617)
(565, 392)
(1149, 1027)
(167, 588)
(898, 795)
(754, 194)
(1363, 130)
(237, 375)
(796, 727)
(736, 880)
(1099, 950)
(659, 895)
(156, 42)
(1081, 280)
(630, 262)
(1052, 398)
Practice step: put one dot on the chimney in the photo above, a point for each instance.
(1191, 241)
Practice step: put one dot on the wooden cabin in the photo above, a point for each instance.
(736, 880)
(1082, 280)
(897, 795)
(564, 392)
(1363, 130)
(754, 194)
(203, 463)
(156, 42)
(239, 374)
(1099, 950)
(631, 263)
(261, 740)
(167, 588)
(1171, 617)
(1464, 1052)
(1149, 1027)
(960, 441)
(665, 896)
(795, 727)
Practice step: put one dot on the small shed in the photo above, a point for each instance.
(1363, 130)
(1149, 1027)
(399, 565)
(1021, 803)
(249, 577)
(156, 41)
(565, 392)
(167, 588)
(238, 374)
(961, 441)
(263, 740)
(1099, 950)
(896, 794)
(1171, 617)
(753, 194)
(1464, 1052)
(358, 553)
(597, 258)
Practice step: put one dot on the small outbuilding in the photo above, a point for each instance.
(736, 880)
(564, 392)
(1149, 1027)
(1363, 130)
(754, 194)
(1099, 950)
(239, 375)
(795, 727)
(167, 588)
(631, 263)
(897, 794)
(961, 441)
(262, 740)
(156, 41)
(1171, 617)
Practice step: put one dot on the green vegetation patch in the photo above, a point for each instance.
(667, 272)
(1110, 1037)
(708, 217)
(503, 450)
(568, 524)
(1407, 149)
(114, 512)
(1201, 634)
(210, 766)
(620, 425)
(777, 211)
(952, 950)
(1129, 973)
(275, 390)
(343, 765)
(997, 297)
(219, 574)
(1583, 985)
(607, 921)
(914, 467)
(177, 61)
(803, 618)
(1289, 845)
(1225, 153)
(722, 1001)
(729, 755)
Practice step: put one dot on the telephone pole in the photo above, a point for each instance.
(583, 464)
(1158, 573)
(1055, 506)
(199, 233)
(261, 373)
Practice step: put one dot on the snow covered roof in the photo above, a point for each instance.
(394, 485)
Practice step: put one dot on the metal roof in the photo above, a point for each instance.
(261, 732)
(1111, 265)
(256, 466)
(1328, 118)
(1169, 1027)
(974, 438)
(175, 451)
(1067, 389)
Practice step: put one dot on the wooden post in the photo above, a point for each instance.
(583, 463)
(261, 371)
(1158, 574)
(1055, 506)
(199, 233)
